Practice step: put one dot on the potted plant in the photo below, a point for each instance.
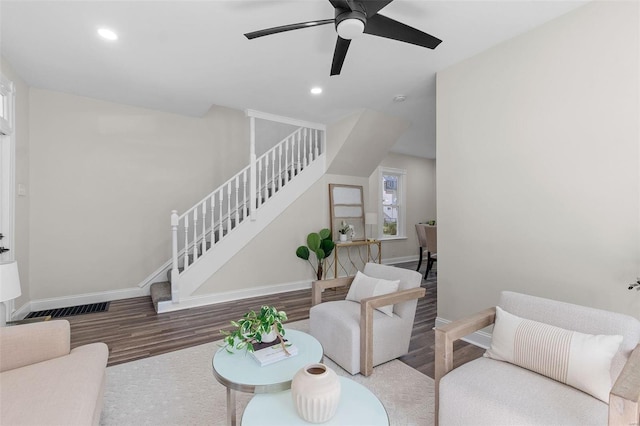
(321, 244)
(255, 327)
(345, 229)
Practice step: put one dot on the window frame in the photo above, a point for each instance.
(401, 229)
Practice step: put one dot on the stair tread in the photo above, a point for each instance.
(160, 292)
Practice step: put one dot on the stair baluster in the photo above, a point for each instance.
(228, 207)
(186, 241)
(175, 272)
(204, 227)
(266, 178)
(298, 149)
(273, 172)
(280, 167)
(195, 235)
(221, 200)
(237, 208)
(287, 173)
(244, 195)
(212, 201)
(259, 192)
(304, 146)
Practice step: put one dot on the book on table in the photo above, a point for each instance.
(273, 352)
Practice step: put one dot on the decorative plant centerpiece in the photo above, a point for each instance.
(346, 230)
(255, 328)
(321, 245)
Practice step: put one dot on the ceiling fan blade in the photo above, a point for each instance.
(374, 6)
(382, 26)
(290, 27)
(342, 45)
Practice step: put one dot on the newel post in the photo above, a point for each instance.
(175, 273)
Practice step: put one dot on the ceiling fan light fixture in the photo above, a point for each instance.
(350, 28)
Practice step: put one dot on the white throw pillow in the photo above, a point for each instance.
(576, 359)
(364, 286)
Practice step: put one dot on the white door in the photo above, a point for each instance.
(7, 169)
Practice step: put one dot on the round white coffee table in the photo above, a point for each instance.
(357, 406)
(240, 372)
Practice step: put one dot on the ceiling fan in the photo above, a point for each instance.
(354, 17)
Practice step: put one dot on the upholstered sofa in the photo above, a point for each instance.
(44, 382)
(550, 363)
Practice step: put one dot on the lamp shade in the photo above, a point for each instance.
(371, 218)
(9, 281)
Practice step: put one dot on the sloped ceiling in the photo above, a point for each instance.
(365, 144)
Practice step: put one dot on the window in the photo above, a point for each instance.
(392, 203)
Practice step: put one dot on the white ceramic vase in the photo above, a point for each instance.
(343, 237)
(316, 393)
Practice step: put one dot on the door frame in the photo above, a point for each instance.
(7, 167)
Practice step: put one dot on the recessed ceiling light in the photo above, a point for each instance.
(316, 90)
(107, 34)
(399, 98)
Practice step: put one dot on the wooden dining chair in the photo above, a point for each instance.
(428, 241)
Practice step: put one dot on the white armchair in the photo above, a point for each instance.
(488, 391)
(357, 336)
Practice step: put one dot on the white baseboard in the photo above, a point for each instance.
(210, 299)
(159, 275)
(21, 312)
(479, 338)
(80, 299)
(396, 260)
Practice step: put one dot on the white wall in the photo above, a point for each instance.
(538, 159)
(104, 178)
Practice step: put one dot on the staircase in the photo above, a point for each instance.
(217, 227)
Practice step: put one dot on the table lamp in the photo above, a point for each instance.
(9, 286)
(371, 219)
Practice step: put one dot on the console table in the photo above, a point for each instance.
(351, 256)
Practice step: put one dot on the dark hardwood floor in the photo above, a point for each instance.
(132, 329)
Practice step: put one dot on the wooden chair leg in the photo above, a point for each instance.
(429, 265)
(419, 259)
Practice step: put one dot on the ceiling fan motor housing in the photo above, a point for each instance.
(353, 21)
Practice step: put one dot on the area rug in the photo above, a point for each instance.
(178, 388)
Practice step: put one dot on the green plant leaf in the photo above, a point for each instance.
(327, 246)
(313, 241)
(320, 254)
(325, 233)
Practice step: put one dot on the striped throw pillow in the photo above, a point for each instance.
(576, 359)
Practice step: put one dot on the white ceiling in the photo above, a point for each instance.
(183, 56)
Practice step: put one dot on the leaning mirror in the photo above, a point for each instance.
(347, 204)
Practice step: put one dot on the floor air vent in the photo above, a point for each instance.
(72, 310)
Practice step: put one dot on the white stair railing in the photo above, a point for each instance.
(198, 230)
